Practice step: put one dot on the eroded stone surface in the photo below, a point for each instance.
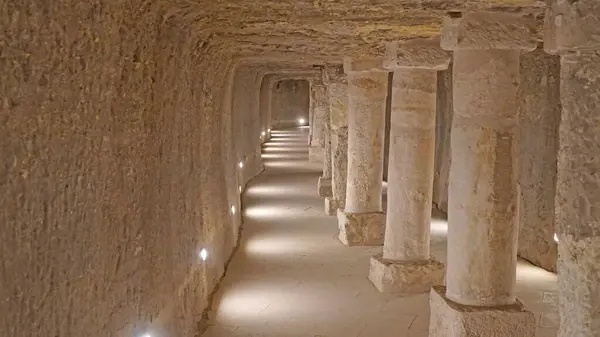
(572, 25)
(411, 160)
(324, 187)
(361, 229)
(482, 222)
(485, 30)
(405, 277)
(332, 206)
(366, 124)
(539, 117)
(450, 319)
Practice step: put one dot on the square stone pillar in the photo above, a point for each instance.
(482, 219)
(406, 266)
(319, 106)
(337, 86)
(573, 32)
(362, 220)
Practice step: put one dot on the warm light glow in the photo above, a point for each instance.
(146, 335)
(555, 237)
(232, 209)
(301, 121)
(263, 133)
(203, 254)
(240, 188)
(241, 164)
(269, 130)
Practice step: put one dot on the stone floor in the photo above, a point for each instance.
(291, 277)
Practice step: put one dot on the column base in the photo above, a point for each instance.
(316, 154)
(450, 319)
(361, 229)
(332, 205)
(324, 187)
(405, 277)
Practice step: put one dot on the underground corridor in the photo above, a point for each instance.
(322, 168)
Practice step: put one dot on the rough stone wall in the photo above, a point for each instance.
(117, 168)
(246, 120)
(540, 111)
(442, 139)
(290, 102)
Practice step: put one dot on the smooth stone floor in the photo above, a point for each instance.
(291, 277)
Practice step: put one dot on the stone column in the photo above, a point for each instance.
(406, 266)
(572, 31)
(482, 212)
(337, 86)
(324, 183)
(318, 106)
(362, 220)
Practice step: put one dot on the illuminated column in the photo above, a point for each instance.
(482, 212)
(406, 265)
(572, 31)
(318, 107)
(362, 220)
(337, 87)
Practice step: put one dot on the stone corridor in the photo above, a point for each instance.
(372, 168)
(292, 277)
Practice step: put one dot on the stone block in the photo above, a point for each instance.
(450, 319)
(405, 277)
(316, 154)
(324, 187)
(332, 206)
(361, 229)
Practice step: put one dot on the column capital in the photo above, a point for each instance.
(572, 26)
(417, 53)
(334, 74)
(364, 65)
(483, 30)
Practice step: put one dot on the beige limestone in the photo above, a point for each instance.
(572, 32)
(405, 277)
(290, 101)
(324, 187)
(122, 144)
(572, 25)
(339, 171)
(337, 86)
(539, 117)
(442, 139)
(410, 176)
(367, 92)
(482, 230)
(366, 115)
(486, 30)
(577, 215)
(456, 320)
(361, 229)
(319, 106)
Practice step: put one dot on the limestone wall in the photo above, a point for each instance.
(442, 139)
(540, 110)
(290, 101)
(118, 164)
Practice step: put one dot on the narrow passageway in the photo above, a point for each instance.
(291, 276)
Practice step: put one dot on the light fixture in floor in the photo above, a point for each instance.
(240, 188)
(241, 164)
(555, 238)
(232, 209)
(301, 121)
(263, 133)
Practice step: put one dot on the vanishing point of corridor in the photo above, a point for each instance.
(292, 277)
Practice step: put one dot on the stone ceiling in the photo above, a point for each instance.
(318, 31)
